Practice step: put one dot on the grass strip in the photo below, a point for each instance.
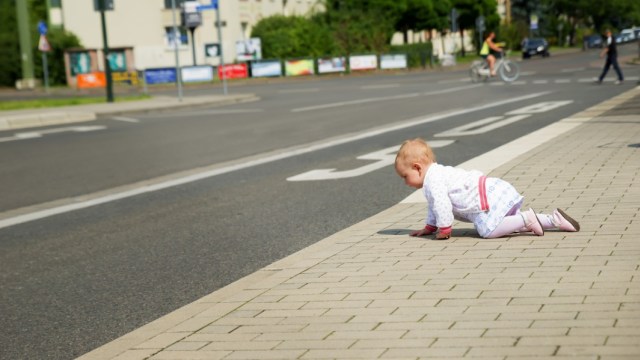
(45, 103)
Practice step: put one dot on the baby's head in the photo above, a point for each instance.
(412, 161)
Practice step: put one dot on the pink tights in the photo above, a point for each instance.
(515, 223)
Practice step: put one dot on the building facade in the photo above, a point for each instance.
(146, 26)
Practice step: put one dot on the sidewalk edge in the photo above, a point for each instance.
(252, 285)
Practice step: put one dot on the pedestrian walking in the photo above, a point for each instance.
(611, 52)
(491, 204)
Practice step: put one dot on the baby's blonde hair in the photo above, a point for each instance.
(415, 150)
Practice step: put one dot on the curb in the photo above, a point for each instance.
(71, 114)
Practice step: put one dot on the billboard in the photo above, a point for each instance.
(160, 75)
(249, 49)
(197, 73)
(393, 61)
(91, 80)
(332, 65)
(234, 71)
(299, 67)
(266, 68)
(363, 62)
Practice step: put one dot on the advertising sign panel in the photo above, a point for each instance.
(266, 68)
(363, 62)
(160, 75)
(332, 65)
(91, 80)
(393, 61)
(197, 73)
(80, 63)
(234, 71)
(249, 49)
(299, 67)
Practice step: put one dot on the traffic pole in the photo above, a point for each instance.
(222, 70)
(107, 68)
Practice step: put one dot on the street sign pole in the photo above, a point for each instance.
(107, 68)
(44, 47)
(221, 66)
(45, 67)
(176, 34)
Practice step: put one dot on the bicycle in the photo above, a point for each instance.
(508, 70)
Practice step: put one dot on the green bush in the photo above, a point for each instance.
(418, 55)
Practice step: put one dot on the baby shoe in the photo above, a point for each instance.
(532, 223)
(564, 222)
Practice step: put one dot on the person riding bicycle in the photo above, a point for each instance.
(489, 51)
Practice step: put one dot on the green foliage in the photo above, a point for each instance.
(9, 46)
(418, 55)
(10, 69)
(513, 34)
(293, 36)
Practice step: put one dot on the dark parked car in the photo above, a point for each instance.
(535, 46)
(593, 41)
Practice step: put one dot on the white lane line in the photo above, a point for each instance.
(380, 86)
(208, 112)
(293, 91)
(573, 69)
(587, 80)
(527, 73)
(150, 186)
(454, 81)
(125, 119)
(384, 98)
(39, 134)
(521, 82)
(562, 81)
(540, 81)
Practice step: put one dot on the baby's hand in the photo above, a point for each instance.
(428, 230)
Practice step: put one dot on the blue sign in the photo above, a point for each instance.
(160, 75)
(212, 6)
(42, 27)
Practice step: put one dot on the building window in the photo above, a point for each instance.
(171, 38)
(56, 3)
(167, 3)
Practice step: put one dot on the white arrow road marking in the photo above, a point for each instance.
(494, 122)
(540, 107)
(481, 126)
(385, 157)
(38, 134)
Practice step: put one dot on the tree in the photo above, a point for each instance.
(10, 47)
(470, 10)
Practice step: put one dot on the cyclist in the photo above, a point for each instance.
(489, 51)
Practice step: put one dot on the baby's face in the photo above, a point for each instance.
(411, 174)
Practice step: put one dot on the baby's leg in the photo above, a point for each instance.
(558, 220)
(521, 222)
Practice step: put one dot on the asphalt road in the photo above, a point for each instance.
(74, 281)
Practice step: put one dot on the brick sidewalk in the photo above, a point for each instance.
(371, 291)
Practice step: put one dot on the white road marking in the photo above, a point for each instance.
(38, 134)
(454, 81)
(540, 81)
(540, 107)
(290, 91)
(384, 98)
(385, 158)
(208, 112)
(125, 119)
(381, 86)
(518, 83)
(151, 185)
(587, 80)
(481, 126)
(527, 73)
(562, 81)
(573, 69)
(495, 122)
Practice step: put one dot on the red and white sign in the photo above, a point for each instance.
(233, 71)
(43, 44)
